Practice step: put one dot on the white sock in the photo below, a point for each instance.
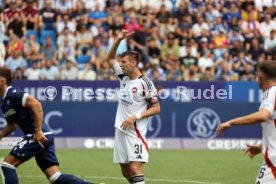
(54, 177)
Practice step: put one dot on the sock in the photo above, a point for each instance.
(9, 172)
(138, 179)
(59, 178)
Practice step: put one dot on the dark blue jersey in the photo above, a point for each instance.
(12, 105)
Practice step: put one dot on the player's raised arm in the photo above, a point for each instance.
(36, 108)
(111, 56)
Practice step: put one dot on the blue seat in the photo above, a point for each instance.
(82, 59)
(32, 32)
(48, 33)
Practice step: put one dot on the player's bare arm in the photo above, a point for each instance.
(153, 110)
(9, 128)
(36, 108)
(258, 117)
(253, 150)
(111, 56)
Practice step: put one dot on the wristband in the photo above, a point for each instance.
(138, 115)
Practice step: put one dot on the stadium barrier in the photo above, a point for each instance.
(181, 125)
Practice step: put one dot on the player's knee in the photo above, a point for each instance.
(135, 170)
(126, 173)
(5, 165)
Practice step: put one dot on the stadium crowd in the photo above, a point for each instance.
(179, 40)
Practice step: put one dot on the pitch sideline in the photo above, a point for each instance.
(121, 178)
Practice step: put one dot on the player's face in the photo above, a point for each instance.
(260, 78)
(127, 65)
(2, 84)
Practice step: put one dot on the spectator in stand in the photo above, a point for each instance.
(48, 51)
(16, 61)
(199, 26)
(87, 73)
(208, 75)
(132, 4)
(18, 74)
(64, 6)
(16, 27)
(90, 5)
(240, 62)
(249, 11)
(99, 54)
(186, 61)
(233, 13)
(2, 54)
(255, 50)
(30, 46)
(226, 74)
(104, 73)
(170, 46)
(155, 72)
(163, 15)
(66, 52)
(206, 61)
(270, 42)
(10, 12)
(33, 73)
(79, 11)
(153, 49)
(267, 26)
(48, 17)
(66, 35)
(132, 23)
(84, 38)
(49, 71)
(98, 17)
(70, 72)
(174, 73)
(30, 15)
(249, 26)
(181, 12)
(66, 23)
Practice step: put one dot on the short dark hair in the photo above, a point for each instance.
(268, 68)
(7, 74)
(133, 55)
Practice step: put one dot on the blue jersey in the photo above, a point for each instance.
(14, 110)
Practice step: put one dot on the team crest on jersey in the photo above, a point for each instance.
(134, 89)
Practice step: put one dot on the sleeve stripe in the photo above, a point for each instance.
(24, 99)
(148, 82)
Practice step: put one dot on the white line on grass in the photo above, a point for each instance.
(2, 175)
(120, 178)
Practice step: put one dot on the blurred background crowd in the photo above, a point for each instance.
(178, 40)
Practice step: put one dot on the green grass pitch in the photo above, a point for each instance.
(165, 166)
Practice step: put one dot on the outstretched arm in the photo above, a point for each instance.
(258, 117)
(112, 53)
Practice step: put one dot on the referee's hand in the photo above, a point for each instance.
(128, 122)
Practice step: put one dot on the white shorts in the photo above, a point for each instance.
(265, 175)
(129, 148)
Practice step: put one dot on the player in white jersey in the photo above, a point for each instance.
(267, 116)
(137, 101)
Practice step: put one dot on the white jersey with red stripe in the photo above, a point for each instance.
(269, 127)
(135, 96)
